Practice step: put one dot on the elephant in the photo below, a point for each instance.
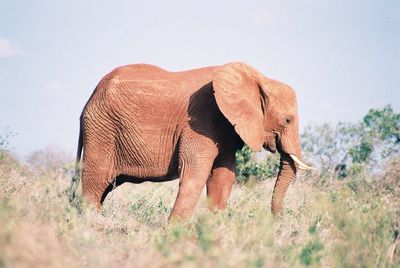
(144, 123)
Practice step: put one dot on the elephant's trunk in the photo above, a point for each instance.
(287, 172)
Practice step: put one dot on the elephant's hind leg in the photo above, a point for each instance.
(97, 177)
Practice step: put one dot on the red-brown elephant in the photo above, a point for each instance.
(143, 123)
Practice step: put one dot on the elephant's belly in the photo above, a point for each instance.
(150, 173)
(153, 155)
(155, 170)
(133, 179)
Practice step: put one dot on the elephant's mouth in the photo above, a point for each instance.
(271, 145)
(274, 144)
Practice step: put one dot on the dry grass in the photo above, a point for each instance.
(352, 223)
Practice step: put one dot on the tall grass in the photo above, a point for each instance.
(346, 223)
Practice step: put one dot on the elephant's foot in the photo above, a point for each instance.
(92, 199)
(95, 195)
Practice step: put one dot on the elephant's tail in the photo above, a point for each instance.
(76, 177)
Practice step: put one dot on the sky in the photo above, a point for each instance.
(341, 57)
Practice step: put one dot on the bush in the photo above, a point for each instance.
(5, 141)
(350, 149)
(50, 159)
(249, 167)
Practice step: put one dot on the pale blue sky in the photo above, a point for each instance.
(342, 57)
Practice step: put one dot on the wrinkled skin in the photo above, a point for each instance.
(143, 123)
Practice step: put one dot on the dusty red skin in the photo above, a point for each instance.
(143, 123)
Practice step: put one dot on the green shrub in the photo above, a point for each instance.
(350, 149)
(147, 209)
(5, 141)
(248, 166)
(310, 254)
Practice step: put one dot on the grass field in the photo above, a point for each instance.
(343, 223)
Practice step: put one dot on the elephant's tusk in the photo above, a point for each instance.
(300, 163)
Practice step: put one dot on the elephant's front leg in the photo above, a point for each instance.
(190, 187)
(195, 168)
(219, 185)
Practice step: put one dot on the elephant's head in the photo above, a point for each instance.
(264, 114)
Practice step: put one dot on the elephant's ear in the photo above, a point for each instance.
(240, 98)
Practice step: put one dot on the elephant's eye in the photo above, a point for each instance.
(288, 120)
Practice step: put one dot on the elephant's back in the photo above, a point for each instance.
(150, 91)
(140, 83)
(138, 71)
